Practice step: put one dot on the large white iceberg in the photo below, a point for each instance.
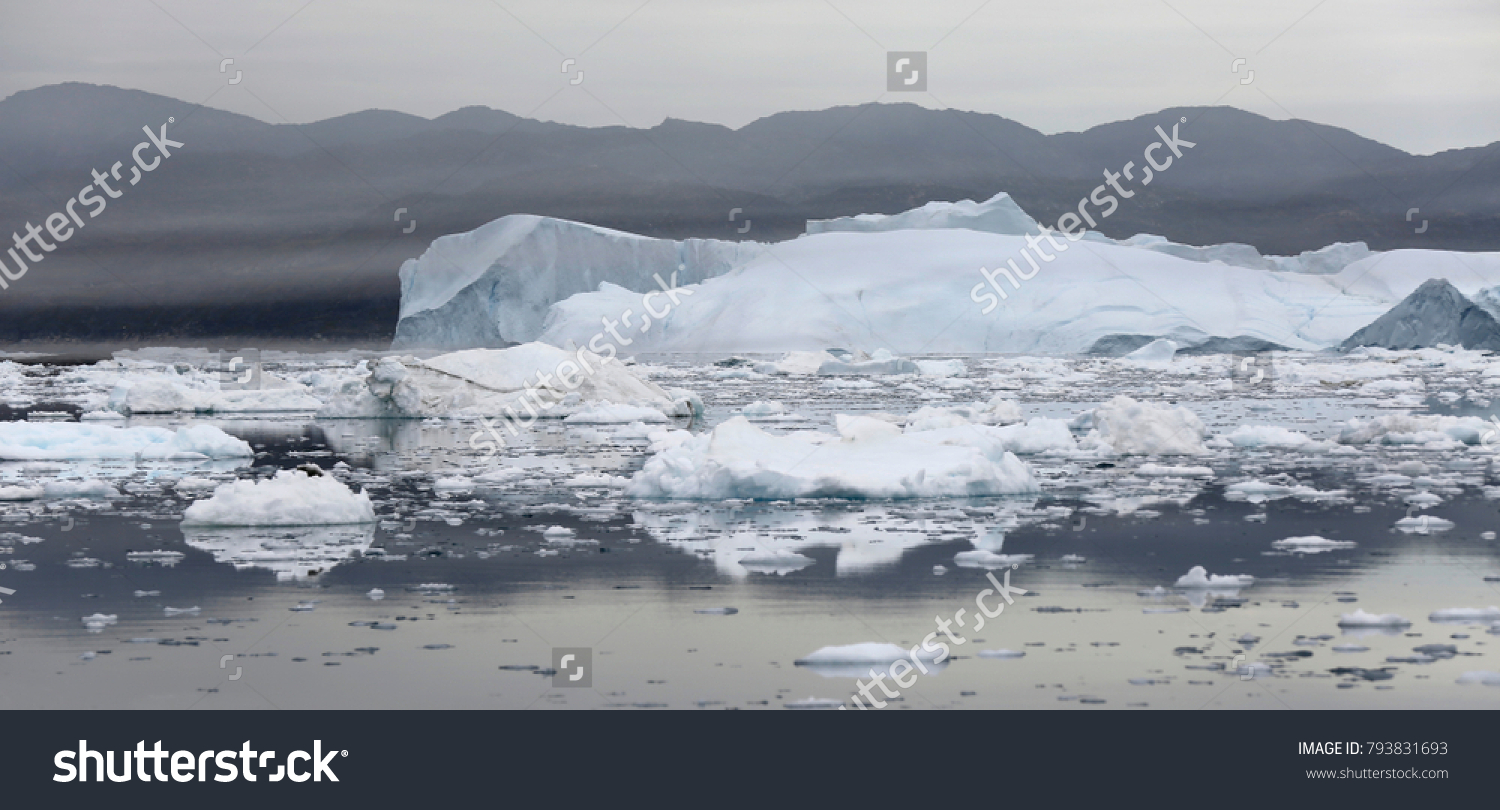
(908, 283)
(870, 459)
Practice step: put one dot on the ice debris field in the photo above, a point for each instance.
(765, 487)
(1327, 530)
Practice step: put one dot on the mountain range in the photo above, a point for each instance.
(296, 230)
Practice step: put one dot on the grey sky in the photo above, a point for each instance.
(1423, 77)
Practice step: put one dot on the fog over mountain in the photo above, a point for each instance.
(292, 230)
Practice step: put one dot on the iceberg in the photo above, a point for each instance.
(918, 288)
(492, 286)
(292, 498)
(870, 459)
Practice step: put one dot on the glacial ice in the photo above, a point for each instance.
(493, 285)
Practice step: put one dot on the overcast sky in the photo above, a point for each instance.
(1420, 76)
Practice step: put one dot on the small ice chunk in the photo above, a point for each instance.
(1359, 618)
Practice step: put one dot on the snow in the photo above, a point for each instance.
(1359, 618)
(871, 459)
(493, 285)
(292, 498)
(78, 440)
(495, 382)
(1129, 427)
(1198, 578)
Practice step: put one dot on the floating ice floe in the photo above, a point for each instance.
(1359, 618)
(1485, 677)
(814, 703)
(1272, 437)
(612, 414)
(985, 558)
(857, 660)
(29, 441)
(1128, 427)
(161, 394)
(872, 459)
(1423, 524)
(1001, 654)
(998, 411)
(1414, 429)
(522, 383)
(1465, 615)
(97, 622)
(1198, 577)
(775, 561)
(292, 498)
(1149, 470)
(1311, 544)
